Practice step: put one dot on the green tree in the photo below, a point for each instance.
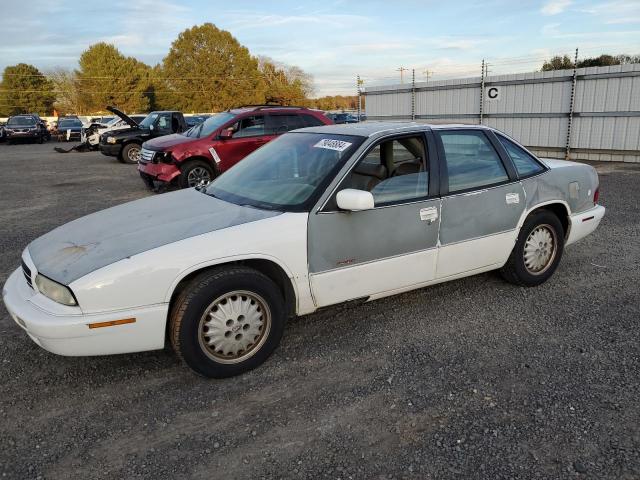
(558, 63)
(285, 85)
(208, 70)
(601, 61)
(107, 77)
(25, 90)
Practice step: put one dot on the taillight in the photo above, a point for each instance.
(596, 196)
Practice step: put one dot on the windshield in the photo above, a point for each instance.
(21, 121)
(209, 126)
(286, 174)
(149, 120)
(69, 123)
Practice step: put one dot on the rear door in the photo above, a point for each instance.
(482, 202)
(390, 247)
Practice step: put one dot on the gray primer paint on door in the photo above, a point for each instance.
(102, 238)
(480, 213)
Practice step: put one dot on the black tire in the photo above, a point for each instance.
(127, 154)
(516, 270)
(190, 168)
(187, 330)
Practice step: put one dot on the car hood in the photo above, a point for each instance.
(167, 141)
(102, 238)
(123, 116)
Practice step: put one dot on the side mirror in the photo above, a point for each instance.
(354, 200)
(225, 134)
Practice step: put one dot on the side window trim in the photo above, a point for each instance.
(430, 163)
(444, 172)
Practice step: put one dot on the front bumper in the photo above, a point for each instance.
(11, 134)
(111, 150)
(158, 172)
(69, 334)
(583, 224)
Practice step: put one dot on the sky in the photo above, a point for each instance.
(333, 40)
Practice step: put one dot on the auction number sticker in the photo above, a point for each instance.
(337, 145)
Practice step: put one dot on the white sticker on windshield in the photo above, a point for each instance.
(337, 145)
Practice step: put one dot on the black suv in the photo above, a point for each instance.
(28, 126)
(126, 143)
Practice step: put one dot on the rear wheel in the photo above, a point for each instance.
(537, 252)
(227, 321)
(194, 173)
(130, 153)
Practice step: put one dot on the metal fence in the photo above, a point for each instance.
(586, 113)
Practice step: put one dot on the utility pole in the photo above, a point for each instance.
(359, 83)
(413, 94)
(401, 70)
(571, 104)
(482, 92)
(428, 74)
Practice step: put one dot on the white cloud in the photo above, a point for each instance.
(554, 7)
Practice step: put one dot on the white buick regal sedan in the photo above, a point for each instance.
(319, 216)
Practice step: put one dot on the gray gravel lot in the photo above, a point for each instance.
(474, 378)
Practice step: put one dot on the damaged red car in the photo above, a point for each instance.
(206, 150)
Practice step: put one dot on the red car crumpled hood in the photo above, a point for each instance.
(167, 141)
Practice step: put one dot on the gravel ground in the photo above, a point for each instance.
(470, 379)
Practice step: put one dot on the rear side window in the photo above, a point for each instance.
(525, 164)
(277, 124)
(311, 121)
(472, 162)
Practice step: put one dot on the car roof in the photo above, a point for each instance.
(371, 128)
(270, 108)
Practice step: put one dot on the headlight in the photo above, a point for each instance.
(55, 291)
(111, 139)
(164, 157)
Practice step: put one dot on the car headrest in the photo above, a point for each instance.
(371, 170)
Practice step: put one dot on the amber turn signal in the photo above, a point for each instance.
(111, 323)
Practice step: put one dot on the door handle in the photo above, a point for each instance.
(429, 214)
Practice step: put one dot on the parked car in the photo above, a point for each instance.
(68, 128)
(342, 117)
(318, 216)
(127, 142)
(91, 134)
(203, 152)
(193, 120)
(25, 127)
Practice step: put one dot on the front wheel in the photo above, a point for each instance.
(194, 173)
(130, 153)
(537, 252)
(227, 321)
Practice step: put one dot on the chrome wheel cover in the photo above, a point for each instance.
(234, 326)
(134, 154)
(540, 249)
(198, 176)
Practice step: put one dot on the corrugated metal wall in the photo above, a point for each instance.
(533, 108)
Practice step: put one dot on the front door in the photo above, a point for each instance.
(482, 202)
(385, 249)
(248, 134)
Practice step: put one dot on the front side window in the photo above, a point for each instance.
(164, 122)
(393, 171)
(471, 160)
(525, 164)
(288, 173)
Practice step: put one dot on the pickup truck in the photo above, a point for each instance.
(126, 143)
